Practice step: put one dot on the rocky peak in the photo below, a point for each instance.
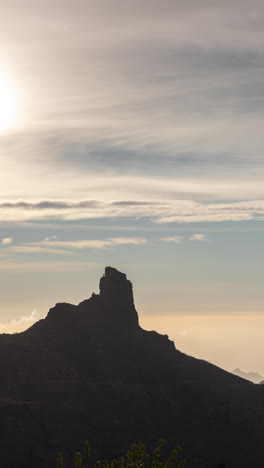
(116, 292)
(113, 308)
(115, 287)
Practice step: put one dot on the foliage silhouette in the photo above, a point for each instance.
(135, 457)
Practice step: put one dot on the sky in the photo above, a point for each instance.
(131, 135)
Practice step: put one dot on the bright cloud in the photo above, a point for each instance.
(176, 239)
(7, 241)
(32, 317)
(21, 323)
(50, 238)
(198, 237)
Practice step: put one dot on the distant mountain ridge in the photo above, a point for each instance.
(252, 376)
(89, 371)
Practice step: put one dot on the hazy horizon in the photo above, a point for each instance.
(131, 136)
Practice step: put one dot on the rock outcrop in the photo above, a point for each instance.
(116, 293)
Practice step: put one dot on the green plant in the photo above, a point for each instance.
(135, 457)
(59, 460)
(87, 452)
(78, 460)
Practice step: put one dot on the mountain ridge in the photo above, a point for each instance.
(90, 371)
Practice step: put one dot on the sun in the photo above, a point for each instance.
(9, 103)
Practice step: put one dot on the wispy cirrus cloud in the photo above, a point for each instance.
(31, 248)
(180, 239)
(193, 110)
(92, 244)
(26, 266)
(163, 211)
(52, 246)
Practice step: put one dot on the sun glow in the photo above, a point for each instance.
(9, 103)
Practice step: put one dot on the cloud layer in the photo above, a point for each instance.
(154, 97)
(165, 211)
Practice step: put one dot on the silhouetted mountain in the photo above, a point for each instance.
(90, 371)
(252, 376)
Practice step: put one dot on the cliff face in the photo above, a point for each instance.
(90, 371)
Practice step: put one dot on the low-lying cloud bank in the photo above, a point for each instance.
(22, 323)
